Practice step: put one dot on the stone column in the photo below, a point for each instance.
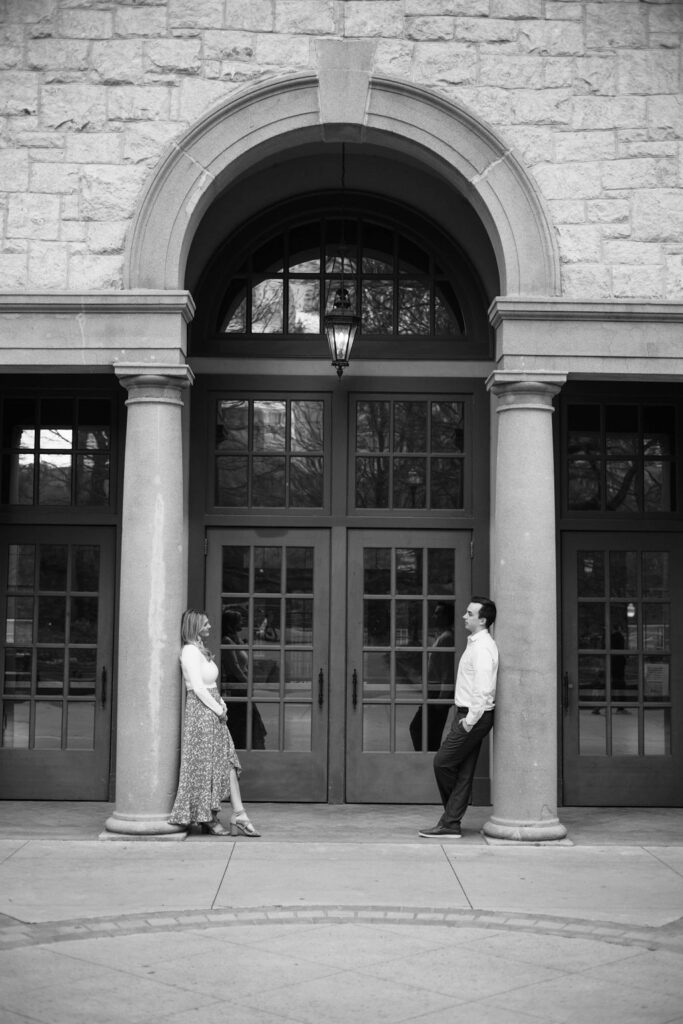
(524, 589)
(153, 593)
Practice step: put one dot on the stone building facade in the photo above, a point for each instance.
(178, 184)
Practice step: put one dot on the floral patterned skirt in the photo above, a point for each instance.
(208, 754)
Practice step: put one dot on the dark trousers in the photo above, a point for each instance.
(454, 765)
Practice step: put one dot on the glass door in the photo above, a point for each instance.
(408, 590)
(622, 665)
(55, 662)
(268, 598)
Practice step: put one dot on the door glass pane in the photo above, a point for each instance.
(409, 673)
(266, 667)
(408, 570)
(19, 622)
(376, 674)
(82, 671)
(590, 577)
(405, 717)
(232, 481)
(656, 678)
(80, 727)
(268, 482)
(657, 732)
(440, 571)
(235, 570)
(592, 678)
(655, 581)
(267, 570)
(591, 624)
(85, 567)
(624, 732)
(377, 570)
(376, 623)
(306, 427)
(269, 731)
(21, 566)
(410, 483)
(306, 482)
(298, 620)
(50, 670)
(48, 735)
(446, 485)
(51, 620)
(623, 627)
(624, 669)
(656, 633)
(623, 574)
(297, 727)
(376, 727)
(299, 570)
(15, 724)
(53, 564)
(299, 674)
(408, 624)
(267, 627)
(83, 620)
(372, 483)
(592, 732)
(18, 668)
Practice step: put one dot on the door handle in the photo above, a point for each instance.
(566, 687)
(103, 687)
(321, 680)
(354, 688)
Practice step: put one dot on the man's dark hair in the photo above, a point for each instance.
(488, 609)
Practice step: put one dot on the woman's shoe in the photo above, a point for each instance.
(243, 827)
(215, 828)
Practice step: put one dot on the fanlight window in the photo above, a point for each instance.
(287, 284)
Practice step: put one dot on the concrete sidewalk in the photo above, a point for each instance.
(341, 914)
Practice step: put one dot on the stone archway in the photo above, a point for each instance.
(291, 111)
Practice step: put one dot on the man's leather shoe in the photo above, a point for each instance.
(441, 832)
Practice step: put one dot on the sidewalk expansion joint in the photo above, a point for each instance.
(20, 934)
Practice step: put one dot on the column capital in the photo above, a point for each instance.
(154, 384)
(525, 391)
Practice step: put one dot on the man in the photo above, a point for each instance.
(475, 695)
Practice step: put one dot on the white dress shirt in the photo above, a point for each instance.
(475, 685)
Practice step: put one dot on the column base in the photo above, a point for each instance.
(544, 831)
(149, 825)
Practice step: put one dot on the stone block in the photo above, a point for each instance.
(118, 61)
(50, 178)
(226, 45)
(674, 278)
(111, 193)
(545, 106)
(368, 19)
(198, 95)
(616, 24)
(30, 12)
(75, 106)
(311, 17)
(469, 8)
(585, 281)
(72, 231)
(648, 73)
(510, 72)
(444, 62)
(256, 16)
(94, 147)
(57, 54)
(181, 56)
(516, 9)
(580, 243)
(641, 282)
(492, 105)
(608, 211)
(145, 142)
(47, 265)
(567, 211)
(11, 56)
(599, 145)
(658, 215)
(140, 21)
(139, 103)
(597, 75)
(552, 38)
(430, 28)
(486, 30)
(394, 57)
(283, 51)
(13, 270)
(641, 172)
(197, 14)
(579, 180)
(89, 272)
(608, 112)
(33, 216)
(85, 24)
(19, 93)
(632, 252)
(665, 115)
(13, 170)
(108, 237)
(533, 144)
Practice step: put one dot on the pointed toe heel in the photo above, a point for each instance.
(243, 827)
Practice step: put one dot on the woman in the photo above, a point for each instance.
(209, 767)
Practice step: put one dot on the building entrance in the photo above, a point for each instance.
(622, 667)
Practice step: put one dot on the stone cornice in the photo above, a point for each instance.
(97, 302)
(609, 310)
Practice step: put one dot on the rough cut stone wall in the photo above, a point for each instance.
(587, 93)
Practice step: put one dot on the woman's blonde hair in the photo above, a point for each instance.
(192, 623)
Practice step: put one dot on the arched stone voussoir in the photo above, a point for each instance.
(284, 113)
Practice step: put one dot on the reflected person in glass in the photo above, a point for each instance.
(234, 683)
(209, 766)
(475, 695)
(440, 681)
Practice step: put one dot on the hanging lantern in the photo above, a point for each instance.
(340, 326)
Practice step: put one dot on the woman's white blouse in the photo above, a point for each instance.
(199, 675)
